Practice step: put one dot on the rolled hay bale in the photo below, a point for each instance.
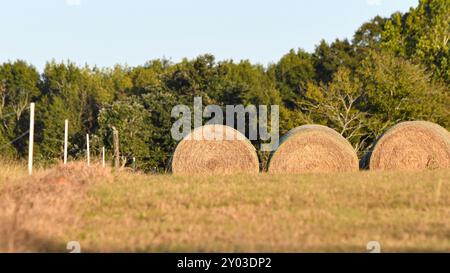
(212, 150)
(313, 148)
(411, 145)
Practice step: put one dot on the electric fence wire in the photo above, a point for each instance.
(3, 117)
(14, 140)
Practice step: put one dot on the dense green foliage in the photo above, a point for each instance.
(394, 69)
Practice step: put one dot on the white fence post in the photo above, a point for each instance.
(103, 157)
(31, 140)
(87, 152)
(66, 136)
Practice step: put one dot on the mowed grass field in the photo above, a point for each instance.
(121, 211)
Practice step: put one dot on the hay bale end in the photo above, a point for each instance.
(212, 150)
(411, 145)
(313, 148)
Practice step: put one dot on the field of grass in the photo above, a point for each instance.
(121, 211)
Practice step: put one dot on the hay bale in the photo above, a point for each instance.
(40, 206)
(412, 145)
(214, 149)
(77, 174)
(313, 148)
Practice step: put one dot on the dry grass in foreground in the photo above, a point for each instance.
(406, 211)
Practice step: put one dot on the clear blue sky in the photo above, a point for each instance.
(106, 32)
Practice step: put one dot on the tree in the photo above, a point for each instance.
(292, 73)
(192, 78)
(19, 85)
(392, 38)
(369, 34)
(336, 105)
(428, 30)
(119, 80)
(398, 90)
(248, 82)
(422, 35)
(132, 121)
(73, 93)
(161, 145)
(328, 58)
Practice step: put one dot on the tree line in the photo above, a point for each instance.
(393, 69)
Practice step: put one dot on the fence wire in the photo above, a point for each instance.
(14, 140)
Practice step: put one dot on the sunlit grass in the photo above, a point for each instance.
(12, 171)
(405, 211)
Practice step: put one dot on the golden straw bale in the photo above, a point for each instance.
(313, 148)
(411, 145)
(215, 149)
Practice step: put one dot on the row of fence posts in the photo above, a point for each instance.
(66, 138)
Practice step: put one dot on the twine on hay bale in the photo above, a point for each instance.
(411, 145)
(313, 148)
(214, 149)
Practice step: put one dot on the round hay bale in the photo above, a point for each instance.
(215, 149)
(411, 145)
(313, 148)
